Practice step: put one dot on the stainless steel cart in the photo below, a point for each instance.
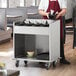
(43, 38)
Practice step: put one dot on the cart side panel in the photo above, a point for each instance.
(54, 40)
(19, 44)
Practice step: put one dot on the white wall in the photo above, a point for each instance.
(38, 2)
(28, 3)
(31, 2)
(0, 3)
(14, 3)
(3, 3)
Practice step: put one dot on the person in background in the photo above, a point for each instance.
(59, 8)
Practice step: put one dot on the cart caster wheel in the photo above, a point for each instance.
(25, 63)
(17, 63)
(47, 66)
(54, 64)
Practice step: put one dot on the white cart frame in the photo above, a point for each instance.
(53, 31)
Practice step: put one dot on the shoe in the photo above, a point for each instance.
(63, 61)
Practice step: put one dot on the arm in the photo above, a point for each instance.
(43, 13)
(62, 13)
(63, 7)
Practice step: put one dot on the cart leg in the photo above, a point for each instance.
(54, 64)
(17, 63)
(25, 63)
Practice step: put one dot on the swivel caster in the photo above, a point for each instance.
(47, 66)
(54, 64)
(25, 63)
(17, 63)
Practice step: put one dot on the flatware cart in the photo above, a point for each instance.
(41, 36)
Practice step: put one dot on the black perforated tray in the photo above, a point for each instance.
(43, 56)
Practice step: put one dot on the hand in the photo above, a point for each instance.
(47, 14)
(58, 15)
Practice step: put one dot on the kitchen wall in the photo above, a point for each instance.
(3, 3)
(14, 3)
(38, 1)
(31, 2)
(28, 3)
(0, 3)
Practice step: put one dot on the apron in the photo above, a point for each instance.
(54, 5)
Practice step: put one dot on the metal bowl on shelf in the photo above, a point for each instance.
(30, 53)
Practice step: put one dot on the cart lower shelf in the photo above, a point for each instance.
(45, 63)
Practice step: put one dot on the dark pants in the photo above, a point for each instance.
(62, 49)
